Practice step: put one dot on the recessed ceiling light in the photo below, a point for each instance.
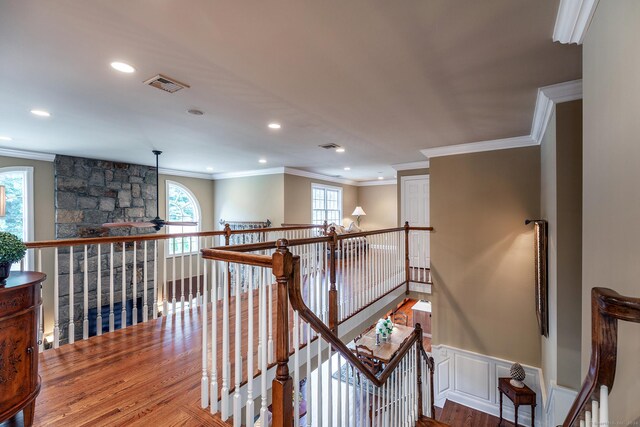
(274, 125)
(209, 168)
(195, 112)
(40, 113)
(5, 138)
(122, 67)
(340, 150)
(347, 168)
(381, 177)
(263, 160)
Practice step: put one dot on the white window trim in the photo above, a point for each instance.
(328, 187)
(168, 183)
(29, 208)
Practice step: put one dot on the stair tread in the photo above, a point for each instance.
(430, 422)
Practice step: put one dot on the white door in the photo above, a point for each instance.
(415, 209)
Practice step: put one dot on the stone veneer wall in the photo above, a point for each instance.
(88, 193)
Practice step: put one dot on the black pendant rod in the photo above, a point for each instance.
(157, 219)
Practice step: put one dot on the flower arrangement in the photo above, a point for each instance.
(384, 327)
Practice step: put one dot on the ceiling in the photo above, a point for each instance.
(384, 79)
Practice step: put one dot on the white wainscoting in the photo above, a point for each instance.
(471, 379)
(558, 404)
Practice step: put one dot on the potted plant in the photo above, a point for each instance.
(12, 250)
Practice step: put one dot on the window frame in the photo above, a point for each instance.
(325, 187)
(29, 209)
(198, 211)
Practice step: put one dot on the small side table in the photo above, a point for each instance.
(519, 396)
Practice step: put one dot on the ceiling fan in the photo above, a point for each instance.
(157, 223)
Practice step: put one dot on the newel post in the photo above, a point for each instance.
(227, 240)
(282, 391)
(418, 332)
(333, 292)
(406, 256)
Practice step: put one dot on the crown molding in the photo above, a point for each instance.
(573, 19)
(313, 175)
(244, 174)
(548, 96)
(377, 182)
(476, 147)
(22, 154)
(411, 165)
(187, 174)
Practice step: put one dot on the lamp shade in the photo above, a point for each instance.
(3, 201)
(358, 211)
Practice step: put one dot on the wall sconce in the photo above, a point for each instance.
(3, 201)
(541, 291)
(358, 212)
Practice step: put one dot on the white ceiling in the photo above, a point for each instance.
(382, 78)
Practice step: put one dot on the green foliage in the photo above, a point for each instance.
(13, 222)
(11, 248)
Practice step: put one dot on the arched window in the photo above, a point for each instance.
(182, 205)
(18, 219)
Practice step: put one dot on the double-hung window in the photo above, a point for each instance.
(182, 205)
(18, 219)
(326, 204)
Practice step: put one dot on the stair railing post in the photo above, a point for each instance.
(227, 240)
(406, 255)
(418, 331)
(431, 364)
(282, 386)
(333, 291)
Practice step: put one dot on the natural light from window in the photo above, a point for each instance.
(326, 204)
(182, 205)
(18, 183)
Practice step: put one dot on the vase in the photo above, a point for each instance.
(5, 270)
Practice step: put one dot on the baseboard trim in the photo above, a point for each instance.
(471, 379)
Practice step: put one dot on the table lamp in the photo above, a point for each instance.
(358, 212)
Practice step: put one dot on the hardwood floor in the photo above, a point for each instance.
(457, 415)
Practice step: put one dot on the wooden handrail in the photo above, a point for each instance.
(153, 236)
(607, 307)
(297, 302)
(237, 257)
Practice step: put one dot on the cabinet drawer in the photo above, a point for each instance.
(16, 299)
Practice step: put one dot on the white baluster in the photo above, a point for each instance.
(85, 321)
(123, 312)
(270, 319)
(41, 313)
(173, 284)
(604, 405)
(99, 293)
(587, 419)
(330, 389)
(204, 382)
(214, 336)
(296, 370)
(111, 287)
(263, 349)
(224, 392)
(237, 404)
(56, 301)
(198, 295)
(145, 296)
(71, 326)
(165, 289)
(191, 305)
(155, 280)
(595, 414)
(182, 278)
(353, 395)
(339, 384)
(134, 296)
(249, 405)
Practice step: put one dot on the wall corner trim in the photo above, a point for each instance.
(476, 147)
(573, 19)
(548, 97)
(22, 154)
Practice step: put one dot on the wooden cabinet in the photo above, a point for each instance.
(19, 311)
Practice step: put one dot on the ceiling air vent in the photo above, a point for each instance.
(166, 83)
(331, 146)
